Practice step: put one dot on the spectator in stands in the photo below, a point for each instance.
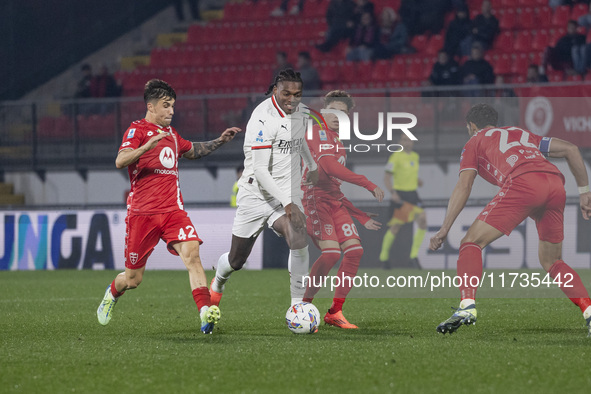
(476, 70)
(485, 27)
(282, 9)
(309, 74)
(446, 71)
(365, 39)
(393, 36)
(424, 15)
(503, 91)
(458, 30)
(281, 64)
(180, 11)
(83, 87)
(104, 85)
(585, 20)
(361, 7)
(339, 18)
(534, 75)
(569, 54)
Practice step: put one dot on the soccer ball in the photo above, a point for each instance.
(302, 318)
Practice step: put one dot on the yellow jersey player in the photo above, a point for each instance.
(402, 179)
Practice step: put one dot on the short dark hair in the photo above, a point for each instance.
(287, 75)
(157, 89)
(341, 96)
(305, 55)
(482, 115)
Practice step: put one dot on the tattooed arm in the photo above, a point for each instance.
(201, 149)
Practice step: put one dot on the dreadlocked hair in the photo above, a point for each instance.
(287, 75)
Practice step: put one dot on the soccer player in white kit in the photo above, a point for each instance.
(269, 189)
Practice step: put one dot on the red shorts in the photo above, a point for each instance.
(145, 231)
(538, 195)
(330, 221)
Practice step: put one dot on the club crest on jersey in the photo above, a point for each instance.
(328, 229)
(259, 136)
(131, 133)
(167, 157)
(133, 258)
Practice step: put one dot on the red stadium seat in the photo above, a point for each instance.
(540, 40)
(520, 64)
(434, 45)
(561, 16)
(380, 71)
(398, 70)
(544, 17)
(507, 19)
(527, 18)
(523, 41)
(419, 42)
(579, 10)
(504, 42)
(503, 65)
(349, 72)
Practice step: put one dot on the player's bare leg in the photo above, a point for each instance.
(479, 235)
(127, 280)
(228, 263)
(550, 255)
(299, 258)
(189, 253)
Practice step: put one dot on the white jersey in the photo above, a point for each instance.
(271, 128)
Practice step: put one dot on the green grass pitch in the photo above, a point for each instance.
(51, 341)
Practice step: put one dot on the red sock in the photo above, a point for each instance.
(348, 269)
(201, 297)
(568, 277)
(114, 291)
(337, 305)
(469, 266)
(321, 267)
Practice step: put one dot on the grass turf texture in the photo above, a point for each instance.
(51, 341)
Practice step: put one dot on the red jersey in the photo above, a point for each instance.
(154, 177)
(325, 143)
(499, 152)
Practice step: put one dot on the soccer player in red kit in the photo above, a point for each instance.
(531, 186)
(150, 150)
(329, 222)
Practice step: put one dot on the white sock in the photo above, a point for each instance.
(587, 313)
(222, 273)
(297, 264)
(467, 302)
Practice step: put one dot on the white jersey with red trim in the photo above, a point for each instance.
(269, 127)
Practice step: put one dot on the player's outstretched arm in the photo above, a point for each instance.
(457, 202)
(202, 149)
(562, 148)
(332, 167)
(126, 157)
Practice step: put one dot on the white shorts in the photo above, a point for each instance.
(254, 212)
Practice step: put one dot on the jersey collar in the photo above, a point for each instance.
(279, 110)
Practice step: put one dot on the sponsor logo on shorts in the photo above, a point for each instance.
(328, 229)
(133, 258)
(131, 133)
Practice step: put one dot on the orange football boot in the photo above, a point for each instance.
(338, 320)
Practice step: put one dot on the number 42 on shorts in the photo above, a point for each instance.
(183, 236)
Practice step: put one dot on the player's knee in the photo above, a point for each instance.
(236, 261)
(331, 258)
(133, 282)
(473, 239)
(354, 253)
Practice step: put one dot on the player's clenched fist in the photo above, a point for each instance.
(437, 240)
